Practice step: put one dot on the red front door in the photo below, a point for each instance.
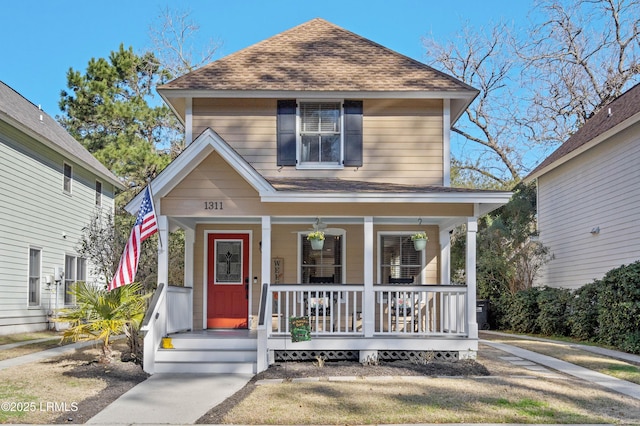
(228, 281)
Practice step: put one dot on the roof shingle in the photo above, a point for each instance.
(317, 56)
(15, 107)
(619, 110)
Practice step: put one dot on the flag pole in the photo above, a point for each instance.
(155, 214)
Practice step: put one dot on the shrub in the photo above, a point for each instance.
(582, 315)
(523, 311)
(619, 308)
(552, 308)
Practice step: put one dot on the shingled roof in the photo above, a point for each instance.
(317, 56)
(22, 114)
(619, 110)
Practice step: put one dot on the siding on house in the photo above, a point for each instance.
(599, 188)
(215, 180)
(36, 213)
(402, 139)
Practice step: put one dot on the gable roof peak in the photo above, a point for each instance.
(320, 56)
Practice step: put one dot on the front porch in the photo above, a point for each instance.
(404, 321)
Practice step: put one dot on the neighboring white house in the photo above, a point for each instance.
(50, 187)
(589, 196)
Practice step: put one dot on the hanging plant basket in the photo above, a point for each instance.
(316, 239)
(317, 244)
(419, 241)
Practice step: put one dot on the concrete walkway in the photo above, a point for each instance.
(171, 399)
(618, 385)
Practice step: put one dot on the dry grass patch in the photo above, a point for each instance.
(23, 337)
(69, 388)
(432, 400)
(40, 392)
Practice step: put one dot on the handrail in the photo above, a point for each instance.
(151, 309)
(263, 304)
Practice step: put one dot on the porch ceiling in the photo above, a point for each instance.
(307, 221)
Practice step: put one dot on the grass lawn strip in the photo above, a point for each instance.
(433, 400)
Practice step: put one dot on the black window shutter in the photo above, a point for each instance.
(286, 141)
(352, 133)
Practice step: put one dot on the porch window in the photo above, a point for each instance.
(399, 259)
(321, 265)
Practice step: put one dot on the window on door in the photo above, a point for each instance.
(325, 265)
(399, 258)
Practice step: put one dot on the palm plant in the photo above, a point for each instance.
(101, 315)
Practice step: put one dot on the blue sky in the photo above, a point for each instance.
(42, 39)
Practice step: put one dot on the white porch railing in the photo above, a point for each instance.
(338, 310)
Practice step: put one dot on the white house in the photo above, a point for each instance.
(589, 196)
(50, 187)
(315, 128)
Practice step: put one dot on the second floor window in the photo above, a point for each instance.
(98, 193)
(66, 186)
(320, 133)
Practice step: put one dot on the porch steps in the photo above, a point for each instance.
(208, 353)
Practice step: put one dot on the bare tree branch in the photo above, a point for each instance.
(172, 38)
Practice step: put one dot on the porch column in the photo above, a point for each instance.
(472, 229)
(266, 250)
(189, 241)
(265, 329)
(163, 250)
(445, 257)
(368, 299)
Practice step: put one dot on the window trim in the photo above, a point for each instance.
(76, 260)
(422, 256)
(319, 165)
(343, 258)
(67, 180)
(38, 302)
(98, 193)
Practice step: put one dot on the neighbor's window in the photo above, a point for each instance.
(322, 266)
(34, 277)
(399, 259)
(320, 133)
(98, 193)
(66, 186)
(74, 271)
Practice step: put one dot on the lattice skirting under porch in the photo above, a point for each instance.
(383, 355)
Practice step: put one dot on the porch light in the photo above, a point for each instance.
(595, 231)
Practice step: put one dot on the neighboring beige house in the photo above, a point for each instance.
(315, 128)
(50, 187)
(589, 196)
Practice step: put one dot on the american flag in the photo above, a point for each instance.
(145, 226)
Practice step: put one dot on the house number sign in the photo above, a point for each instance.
(213, 205)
